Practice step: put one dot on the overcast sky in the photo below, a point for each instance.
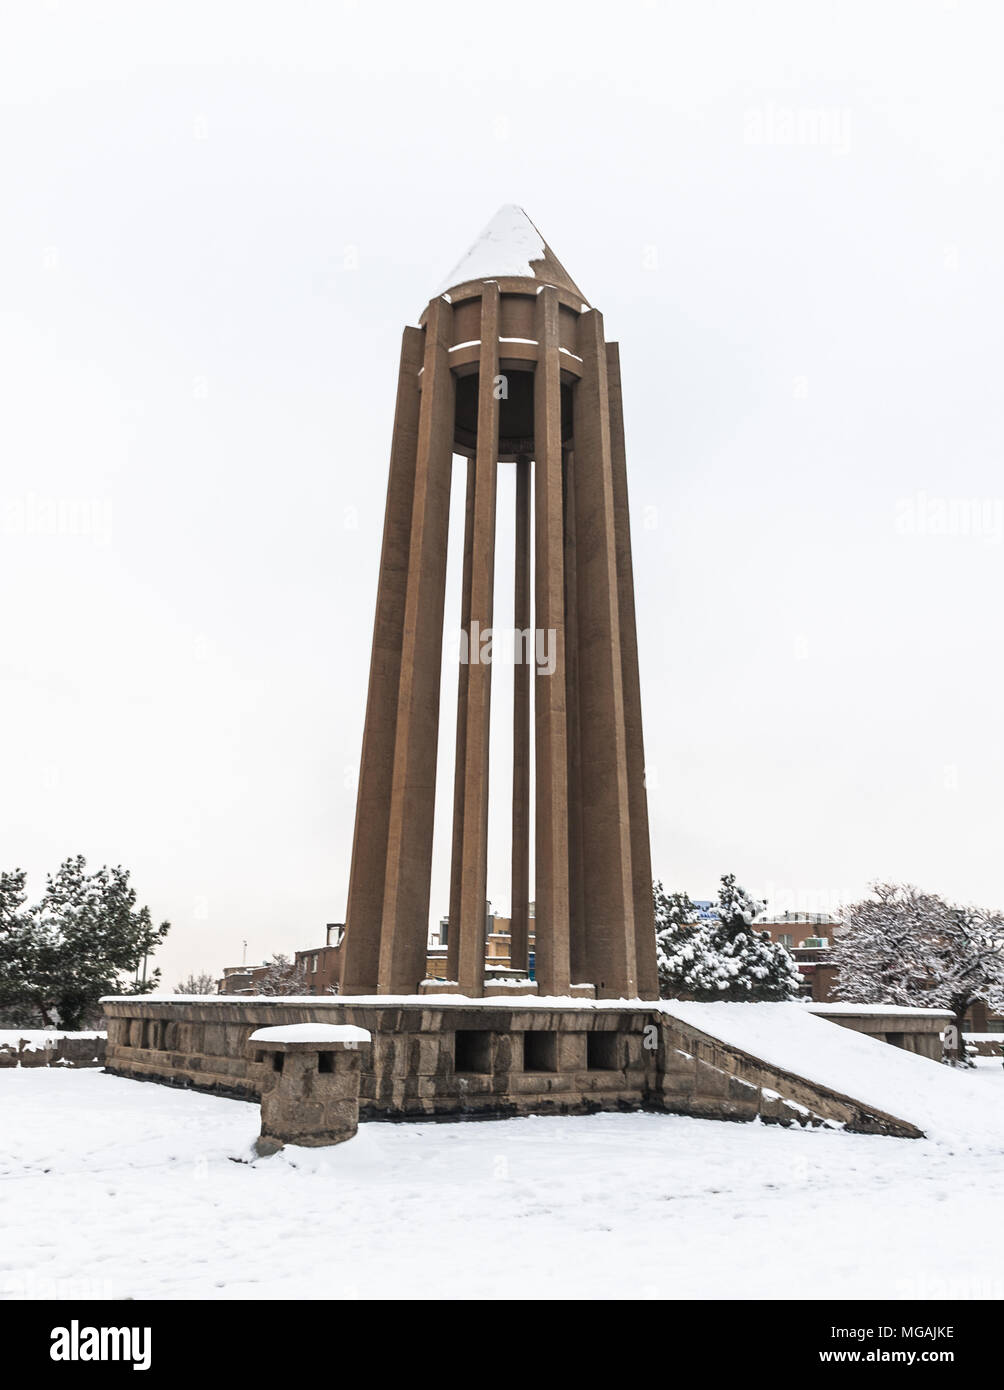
(217, 220)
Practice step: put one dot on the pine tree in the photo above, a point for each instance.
(93, 939)
(913, 949)
(723, 958)
(744, 963)
(85, 938)
(17, 953)
(675, 939)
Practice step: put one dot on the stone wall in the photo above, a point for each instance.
(444, 1058)
(916, 1031)
(35, 1051)
(425, 1059)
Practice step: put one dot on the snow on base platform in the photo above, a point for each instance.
(943, 1102)
(305, 1034)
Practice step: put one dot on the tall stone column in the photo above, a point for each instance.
(474, 860)
(592, 882)
(519, 924)
(405, 925)
(576, 889)
(364, 910)
(641, 853)
(552, 935)
(460, 762)
(606, 827)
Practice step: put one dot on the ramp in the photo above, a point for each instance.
(799, 1067)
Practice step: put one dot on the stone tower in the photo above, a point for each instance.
(509, 365)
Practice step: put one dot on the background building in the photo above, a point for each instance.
(498, 946)
(809, 937)
(322, 964)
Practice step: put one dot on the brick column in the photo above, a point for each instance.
(474, 860)
(364, 913)
(460, 763)
(641, 853)
(576, 909)
(405, 923)
(608, 898)
(519, 926)
(552, 943)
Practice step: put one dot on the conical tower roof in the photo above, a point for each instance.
(510, 247)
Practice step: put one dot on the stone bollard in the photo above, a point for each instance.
(310, 1083)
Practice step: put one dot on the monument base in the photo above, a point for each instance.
(449, 1056)
(431, 1055)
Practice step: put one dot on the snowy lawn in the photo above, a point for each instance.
(116, 1188)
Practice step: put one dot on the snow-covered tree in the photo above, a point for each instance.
(724, 957)
(675, 928)
(745, 963)
(85, 938)
(17, 953)
(906, 947)
(283, 976)
(202, 983)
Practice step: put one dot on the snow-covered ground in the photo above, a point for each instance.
(116, 1188)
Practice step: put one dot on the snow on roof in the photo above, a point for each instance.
(511, 247)
(505, 247)
(312, 1033)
